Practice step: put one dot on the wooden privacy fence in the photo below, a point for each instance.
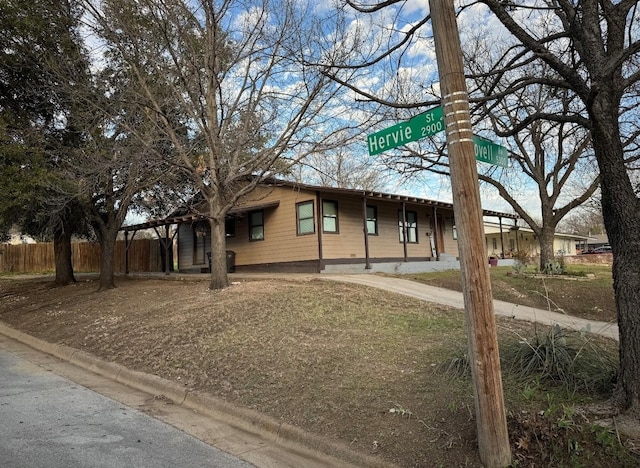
(144, 255)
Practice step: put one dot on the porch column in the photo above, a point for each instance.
(126, 252)
(320, 226)
(404, 230)
(367, 264)
(127, 245)
(166, 245)
(501, 236)
(436, 229)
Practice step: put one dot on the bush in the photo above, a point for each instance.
(568, 359)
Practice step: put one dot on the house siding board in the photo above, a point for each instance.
(387, 243)
(450, 244)
(349, 241)
(282, 245)
(185, 246)
(281, 242)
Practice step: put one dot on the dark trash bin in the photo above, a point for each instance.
(231, 261)
(493, 261)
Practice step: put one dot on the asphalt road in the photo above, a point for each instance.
(49, 421)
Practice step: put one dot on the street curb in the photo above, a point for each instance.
(279, 433)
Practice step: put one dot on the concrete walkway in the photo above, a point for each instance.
(454, 299)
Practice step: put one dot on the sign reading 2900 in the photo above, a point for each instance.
(420, 126)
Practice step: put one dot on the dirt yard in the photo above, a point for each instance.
(357, 365)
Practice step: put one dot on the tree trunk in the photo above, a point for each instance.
(621, 212)
(107, 249)
(546, 247)
(62, 255)
(219, 279)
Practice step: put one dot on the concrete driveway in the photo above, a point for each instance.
(455, 299)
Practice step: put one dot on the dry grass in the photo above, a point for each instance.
(351, 363)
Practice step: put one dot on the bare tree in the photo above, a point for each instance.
(592, 49)
(238, 72)
(586, 222)
(342, 168)
(554, 159)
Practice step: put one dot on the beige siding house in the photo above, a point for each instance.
(284, 226)
(504, 240)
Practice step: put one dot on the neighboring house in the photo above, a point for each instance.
(16, 237)
(595, 241)
(284, 226)
(503, 241)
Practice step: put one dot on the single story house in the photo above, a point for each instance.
(285, 226)
(503, 241)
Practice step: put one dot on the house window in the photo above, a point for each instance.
(495, 243)
(304, 216)
(372, 220)
(230, 227)
(256, 225)
(512, 245)
(410, 225)
(329, 216)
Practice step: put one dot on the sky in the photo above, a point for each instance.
(416, 79)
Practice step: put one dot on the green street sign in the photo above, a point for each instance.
(489, 152)
(425, 125)
(418, 127)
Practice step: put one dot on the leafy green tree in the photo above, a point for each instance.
(36, 121)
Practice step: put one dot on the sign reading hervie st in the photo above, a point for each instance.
(421, 126)
(427, 124)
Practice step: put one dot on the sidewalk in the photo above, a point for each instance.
(454, 299)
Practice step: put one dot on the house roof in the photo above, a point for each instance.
(368, 194)
(493, 228)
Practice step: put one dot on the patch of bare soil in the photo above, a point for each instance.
(354, 364)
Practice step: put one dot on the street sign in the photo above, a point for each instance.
(425, 125)
(489, 152)
(418, 127)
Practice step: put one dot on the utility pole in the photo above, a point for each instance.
(484, 357)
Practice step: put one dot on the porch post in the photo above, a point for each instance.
(320, 226)
(166, 249)
(501, 236)
(127, 245)
(367, 264)
(126, 252)
(436, 230)
(404, 230)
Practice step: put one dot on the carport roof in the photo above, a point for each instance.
(194, 217)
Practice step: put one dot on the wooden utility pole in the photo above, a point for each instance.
(491, 421)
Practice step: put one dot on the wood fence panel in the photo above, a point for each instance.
(85, 257)
(145, 255)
